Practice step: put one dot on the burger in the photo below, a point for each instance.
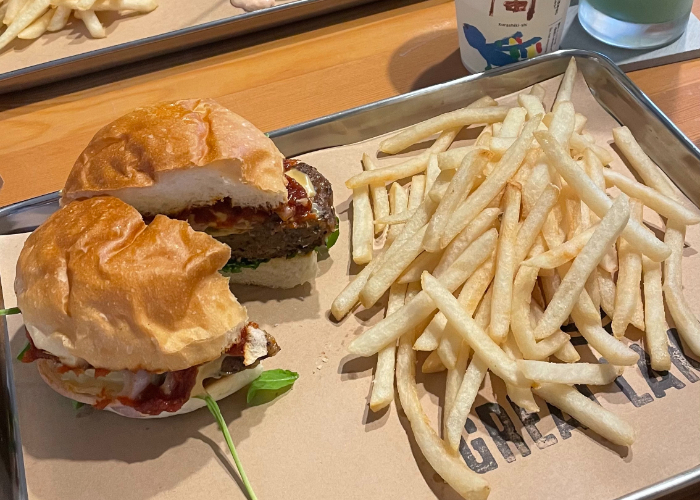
(131, 317)
(195, 160)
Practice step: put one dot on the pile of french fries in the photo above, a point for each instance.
(521, 225)
(29, 19)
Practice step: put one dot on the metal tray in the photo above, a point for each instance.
(663, 141)
(173, 41)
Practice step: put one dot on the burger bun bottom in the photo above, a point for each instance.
(219, 389)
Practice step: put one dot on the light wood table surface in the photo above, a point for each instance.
(275, 78)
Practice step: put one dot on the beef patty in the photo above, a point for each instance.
(272, 237)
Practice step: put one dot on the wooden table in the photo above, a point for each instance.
(275, 78)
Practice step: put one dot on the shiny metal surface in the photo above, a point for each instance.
(661, 139)
(12, 481)
(173, 41)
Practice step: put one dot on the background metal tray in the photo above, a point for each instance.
(662, 141)
(173, 41)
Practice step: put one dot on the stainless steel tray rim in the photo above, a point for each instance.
(292, 139)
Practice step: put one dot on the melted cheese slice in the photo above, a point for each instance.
(303, 180)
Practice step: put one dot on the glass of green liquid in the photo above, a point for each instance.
(635, 24)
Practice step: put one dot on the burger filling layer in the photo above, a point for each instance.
(255, 235)
(153, 393)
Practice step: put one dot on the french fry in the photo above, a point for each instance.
(655, 316)
(391, 269)
(38, 27)
(453, 381)
(433, 364)
(532, 105)
(590, 414)
(521, 396)
(397, 219)
(472, 291)
(483, 345)
(562, 124)
(398, 202)
(464, 399)
(59, 19)
(432, 171)
(383, 385)
(629, 277)
(91, 22)
(566, 87)
(597, 200)
(653, 199)
(418, 309)
(608, 290)
(362, 230)
(494, 183)
(686, 322)
(513, 122)
(30, 12)
(534, 186)
(587, 320)
(579, 122)
(446, 462)
(424, 262)
(533, 223)
(423, 130)
(413, 166)
(452, 159)
(594, 170)
(380, 198)
(579, 143)
(520, 320)
(565, 252)
(484, 137)
(610, 227)
(415, 195)
(481, 223)
(577, 373)
(14, 7)
(642, 164)
(505, 265)
(350, 295)
(538, 91)
(473, 163)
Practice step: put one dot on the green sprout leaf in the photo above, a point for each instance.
(11, 310)
(333, 237)
(271, 383)
(236, 266)
(214, 409)
(21, 354)
(77, 404)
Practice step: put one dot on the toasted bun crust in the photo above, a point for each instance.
(95, 283)
(174, 155)
(279, 273)
(220, 389)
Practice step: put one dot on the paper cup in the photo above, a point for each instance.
(499, 32)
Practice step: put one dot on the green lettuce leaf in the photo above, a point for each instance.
(271, 383)
(333, 237)
(236, 266)
(11, 310)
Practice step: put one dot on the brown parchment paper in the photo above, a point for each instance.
(320, 441)
(74, 39)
